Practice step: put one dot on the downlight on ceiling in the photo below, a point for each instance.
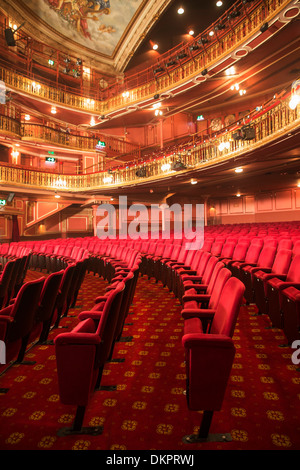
(239, 170)
(180, 11)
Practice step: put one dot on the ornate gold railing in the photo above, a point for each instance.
(143, 85)
(268, 124)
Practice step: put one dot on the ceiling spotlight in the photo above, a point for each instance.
(239, 170)
(191, 32)
(57, 196)
(203, 40)
(238, 195)
(182, 55)
(180, 11)
(53, 109)
(219, 26)
(170, 63)
(194, 181)
(233, 14)
(230, 71)
(155, 46)
(219, 3)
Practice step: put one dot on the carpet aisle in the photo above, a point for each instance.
(148, 409)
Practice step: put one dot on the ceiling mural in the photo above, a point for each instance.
(96, 24)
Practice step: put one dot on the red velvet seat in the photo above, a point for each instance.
(195, 281)
(178, 267)
(261, 276)
(4, 282)
(251, 258)
(265, 261)
(193, 275)
(290, 308)
(276, 285)
(194, 301)
(61, 303)
(209, 357)
(81, 356)
(16, 320)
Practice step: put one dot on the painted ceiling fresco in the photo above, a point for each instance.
(96, 24)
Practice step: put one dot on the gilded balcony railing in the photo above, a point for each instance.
(143, 85)
(266, 124)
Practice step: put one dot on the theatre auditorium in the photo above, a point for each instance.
(149, 227)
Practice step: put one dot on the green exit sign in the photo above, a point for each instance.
(100, 144)
(2, 202)
(50, 159)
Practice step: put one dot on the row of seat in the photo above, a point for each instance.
(37, 307)
(82, 353)
(211, 299)
(267, 268)
(210, 283)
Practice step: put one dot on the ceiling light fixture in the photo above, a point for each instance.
(219, 3)
(180, 11)
(155, 46)
(230, 71)
(239, 170)
(191, 32)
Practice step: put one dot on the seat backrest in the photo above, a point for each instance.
(293, 274)
(240, 251)
(48, 296)
(24, 308)
(218, 266)
(203, 262)
(65, 284)
(108, 321)
(216, 248)
(209, 269)
(227, 250)
(229, 304)
(222, 277)
(253, 253)
(207, 245)
(282, 261)
(266, 256)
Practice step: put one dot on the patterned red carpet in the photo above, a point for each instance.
(148, 409)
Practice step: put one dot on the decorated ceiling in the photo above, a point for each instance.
(95, 24)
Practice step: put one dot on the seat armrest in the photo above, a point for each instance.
(201, 313)
(196, 297)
